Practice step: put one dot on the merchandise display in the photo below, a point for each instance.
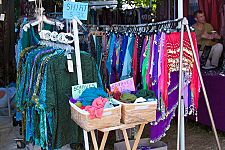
(126, 75)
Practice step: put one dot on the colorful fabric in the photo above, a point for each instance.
(97, 108)
(90, 94)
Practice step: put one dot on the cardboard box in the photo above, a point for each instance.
(143, 143)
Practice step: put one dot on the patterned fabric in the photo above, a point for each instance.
(58, 91)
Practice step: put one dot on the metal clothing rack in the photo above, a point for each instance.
(169, 24)
(181, 132)
(181, 126)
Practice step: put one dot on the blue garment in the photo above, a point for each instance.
(21, 81)
(110, 54)
(90, 94)
(29, 60)
(19, 43)
(42, 93)
(118, 49)
(155, 64)
(113, 66)
(19, 116)
(122, 53)
(127, 66)
(108, 104)
(40, 107)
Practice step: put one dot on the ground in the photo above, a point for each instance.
(198, 137)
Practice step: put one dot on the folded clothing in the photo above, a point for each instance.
(145, 94)
(108, 104)
(128, 97)
(90, 94)
(97, 107)
(140, 100)
(116, 95)
(72, 100)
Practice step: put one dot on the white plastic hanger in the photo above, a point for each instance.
(42, 19)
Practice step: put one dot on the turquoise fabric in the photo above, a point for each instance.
(19, 43)
(90, 94)
(127, 66)
(110, 54)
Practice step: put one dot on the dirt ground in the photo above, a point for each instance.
(198, 137)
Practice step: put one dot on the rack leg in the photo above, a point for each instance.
(180, 136)
(105, 136)
(203, 88)
(138, 136)
(86, 140)
(94, 141)
(182, 133)
(126, 139)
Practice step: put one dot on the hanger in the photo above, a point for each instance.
(43, 19)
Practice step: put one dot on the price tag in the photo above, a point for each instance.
(70, 65)
(69, 56)
(78, 9)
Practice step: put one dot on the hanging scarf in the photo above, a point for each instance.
(135, 61)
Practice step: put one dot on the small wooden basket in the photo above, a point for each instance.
(138, 112)
(110, 117)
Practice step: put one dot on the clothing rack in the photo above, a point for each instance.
(184, 25)
(148, 27)
(158, 24)
(181, 128)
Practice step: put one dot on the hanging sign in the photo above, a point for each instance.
(77, 90)
(71, 9)
(126, 85)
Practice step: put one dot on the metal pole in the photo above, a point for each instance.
(180, 9)
(180, 135)
(203, 88)
(182, 128)
(79, 71)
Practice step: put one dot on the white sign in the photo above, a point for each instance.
(77, 90)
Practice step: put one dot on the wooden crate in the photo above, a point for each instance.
(138, 112)
(110, 117)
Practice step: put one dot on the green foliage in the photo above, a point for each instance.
(143, 3)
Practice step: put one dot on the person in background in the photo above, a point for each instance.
(207, 38)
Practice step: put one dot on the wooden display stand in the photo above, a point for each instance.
(123, 128)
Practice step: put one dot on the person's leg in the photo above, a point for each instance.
(208, 62)
(215, 54)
